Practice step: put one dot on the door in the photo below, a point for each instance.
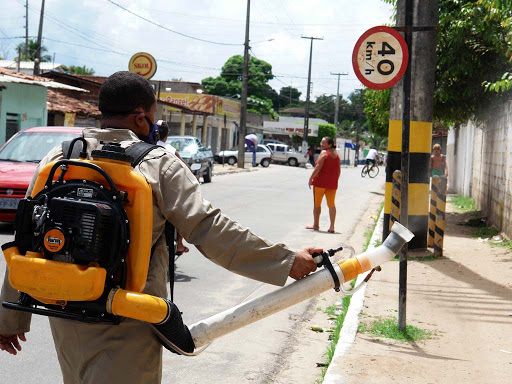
(279, 153)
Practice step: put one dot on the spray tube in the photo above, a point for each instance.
(205, 331)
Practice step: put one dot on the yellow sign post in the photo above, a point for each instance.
(143, 64)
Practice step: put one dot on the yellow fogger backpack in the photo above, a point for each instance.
(83, 244)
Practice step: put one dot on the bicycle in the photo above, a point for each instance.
(370, 171)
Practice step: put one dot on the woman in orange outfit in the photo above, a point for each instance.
(324, 180)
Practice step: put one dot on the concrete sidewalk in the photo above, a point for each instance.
(463, 299)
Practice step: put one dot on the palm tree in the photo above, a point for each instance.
(32, 52)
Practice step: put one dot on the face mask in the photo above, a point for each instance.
(153, 136)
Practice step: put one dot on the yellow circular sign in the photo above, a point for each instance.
(143, 64)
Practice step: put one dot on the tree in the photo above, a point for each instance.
(376, 109)
(473, 55)
(77, 70)
(288, 95)
(32, 52)
(229, 83)
(323, 131)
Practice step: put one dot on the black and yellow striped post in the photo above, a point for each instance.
(440, 217)
(433, 210)
(419, 178)
(395, 198)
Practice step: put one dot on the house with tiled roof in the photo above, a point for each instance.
(29, 101)
(91, 83)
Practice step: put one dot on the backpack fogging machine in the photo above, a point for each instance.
(82, 250)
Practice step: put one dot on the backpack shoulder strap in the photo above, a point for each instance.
(77, 148)
(139, 150)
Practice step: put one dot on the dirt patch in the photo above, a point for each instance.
(464, 299)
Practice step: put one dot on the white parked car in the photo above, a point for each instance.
(263, 156)
(282, 153)
(271, 141)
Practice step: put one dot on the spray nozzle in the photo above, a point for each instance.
(319, 257)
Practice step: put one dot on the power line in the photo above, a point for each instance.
(83, 34)
(256, 23)
(168, 29)
(84, 46)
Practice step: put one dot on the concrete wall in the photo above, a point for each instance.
(480, 165)
(27, 102)
(460, 145)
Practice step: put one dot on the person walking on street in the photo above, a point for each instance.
(129, 351)
(311, 156)
(438, 162)
(251, 141)
(324, 180)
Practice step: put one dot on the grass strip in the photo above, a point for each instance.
(345, 303)
(388, 328)
(463, 203)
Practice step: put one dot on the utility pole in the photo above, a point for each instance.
(410, 131)
(245, 83)
(359, 113)
(26, 31)
(422, 54)
(18, 62)
(306, 117)
(404, 160)
(37, 60)
(337, 97)
(291, 85)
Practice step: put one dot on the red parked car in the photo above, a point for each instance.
(19, 158)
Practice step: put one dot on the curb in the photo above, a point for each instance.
(232, 171)
(348, 332)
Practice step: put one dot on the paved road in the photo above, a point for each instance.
(274, 202)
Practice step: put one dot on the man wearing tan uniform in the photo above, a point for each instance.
(130, 352)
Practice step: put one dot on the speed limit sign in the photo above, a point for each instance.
(380, 57)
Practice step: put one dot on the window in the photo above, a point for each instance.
(33, 146)
(12, 125)
(261, 149)
(279, 149)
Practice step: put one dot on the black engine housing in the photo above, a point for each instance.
(91, 218)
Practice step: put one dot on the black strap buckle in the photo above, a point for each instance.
(327, 264)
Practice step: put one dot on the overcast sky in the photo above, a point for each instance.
(99, 34)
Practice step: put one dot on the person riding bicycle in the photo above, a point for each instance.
(372, 158)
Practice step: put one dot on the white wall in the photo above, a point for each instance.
(480, 165)
(460, 148)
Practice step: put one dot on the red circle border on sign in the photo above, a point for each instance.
(144, 55)
(405, 61)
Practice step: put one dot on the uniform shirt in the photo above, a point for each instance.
(167, 146)
(176, 198)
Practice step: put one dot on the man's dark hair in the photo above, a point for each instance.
(123, 92)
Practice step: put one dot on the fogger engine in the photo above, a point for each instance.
(83, 244)
(76, 222)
